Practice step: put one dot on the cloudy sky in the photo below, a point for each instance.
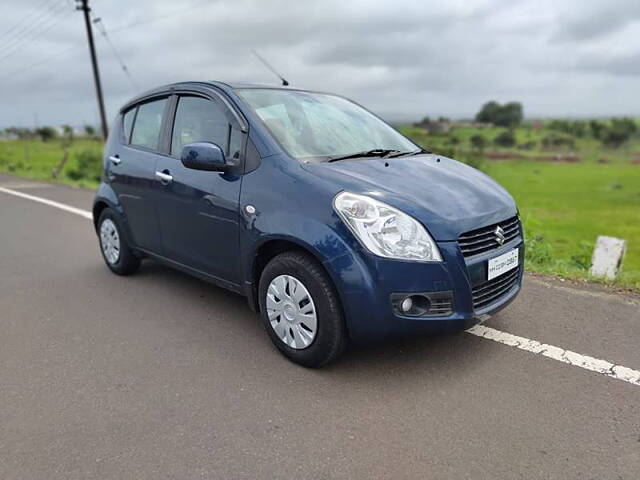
(402, 59)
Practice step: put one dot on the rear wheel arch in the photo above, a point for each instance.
(98, 207)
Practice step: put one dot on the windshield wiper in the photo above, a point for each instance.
(376, 152)
(407, 154)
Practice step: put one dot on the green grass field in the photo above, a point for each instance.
(564, 206)
(36, 159)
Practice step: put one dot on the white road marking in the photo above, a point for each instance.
(560, 354)
(603, 367)
(51, 203)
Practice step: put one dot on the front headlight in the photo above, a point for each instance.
(384, 230)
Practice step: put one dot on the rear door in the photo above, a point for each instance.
(198, 210)
(132, 169)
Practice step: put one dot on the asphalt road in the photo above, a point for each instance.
(160, 375)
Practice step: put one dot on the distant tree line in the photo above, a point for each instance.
(46, 133)
(613, 133)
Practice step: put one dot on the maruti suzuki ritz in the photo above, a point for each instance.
(334, 226)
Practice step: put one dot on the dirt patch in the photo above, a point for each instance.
(559, 158)
(635, 161)
(564, 158)
(503, 156)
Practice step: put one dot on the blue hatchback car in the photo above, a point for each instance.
(334, 226)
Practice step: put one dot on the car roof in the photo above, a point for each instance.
(225, 86)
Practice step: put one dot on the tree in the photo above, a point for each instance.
(478, 142)
(558, 140)
(67, 132)
(90, 131)
(619, 132)
(508, 115)
(46, 133)
(505, 139)
(597, 128)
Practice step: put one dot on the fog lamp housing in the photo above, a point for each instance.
(423, 304)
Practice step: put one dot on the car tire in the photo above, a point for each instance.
(330, 338)
(114, 246)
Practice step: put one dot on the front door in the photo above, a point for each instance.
(131, 171)
(198, 210)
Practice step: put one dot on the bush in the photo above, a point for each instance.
(529, 145)
(619, 132)
(46, 133)
(88, 166)
(472, 159)
(505, 139)
(582, 258)
(478, 142)
(555, 140)
(597, 128)
(538, 251)
(576, 128)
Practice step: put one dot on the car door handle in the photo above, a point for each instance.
(115, 159)
(164, 177)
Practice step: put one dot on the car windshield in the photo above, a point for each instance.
(316, 125)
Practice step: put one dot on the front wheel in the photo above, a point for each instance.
(113, 245)
(301, 310)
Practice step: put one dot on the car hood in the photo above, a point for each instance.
(447, 196)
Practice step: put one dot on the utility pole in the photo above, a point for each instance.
(84, 6)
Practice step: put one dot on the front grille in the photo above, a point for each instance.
(489, 292)
(485, 239)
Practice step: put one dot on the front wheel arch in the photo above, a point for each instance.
(265, 253)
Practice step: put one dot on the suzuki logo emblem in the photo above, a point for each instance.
(499, 232)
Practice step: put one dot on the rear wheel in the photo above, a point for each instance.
(301, 310)
(113, 245)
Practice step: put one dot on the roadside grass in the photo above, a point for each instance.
(36, 159)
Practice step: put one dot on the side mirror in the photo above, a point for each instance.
(204, 156)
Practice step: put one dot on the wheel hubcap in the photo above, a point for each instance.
(110, 241)
(291, 312)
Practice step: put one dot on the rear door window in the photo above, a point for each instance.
(146, 130)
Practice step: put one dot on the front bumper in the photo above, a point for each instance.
(366, 284)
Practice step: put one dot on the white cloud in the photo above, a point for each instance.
(402, 59)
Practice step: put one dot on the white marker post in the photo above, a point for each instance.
(607, 257)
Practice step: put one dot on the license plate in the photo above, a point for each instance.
(499, 265)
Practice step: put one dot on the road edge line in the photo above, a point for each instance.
(51, 203)
(619, 372)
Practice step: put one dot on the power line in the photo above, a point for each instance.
(50, 58)
(42, 18)
(25, 18)
(160, 17)
(33, 33)
(103, 31)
